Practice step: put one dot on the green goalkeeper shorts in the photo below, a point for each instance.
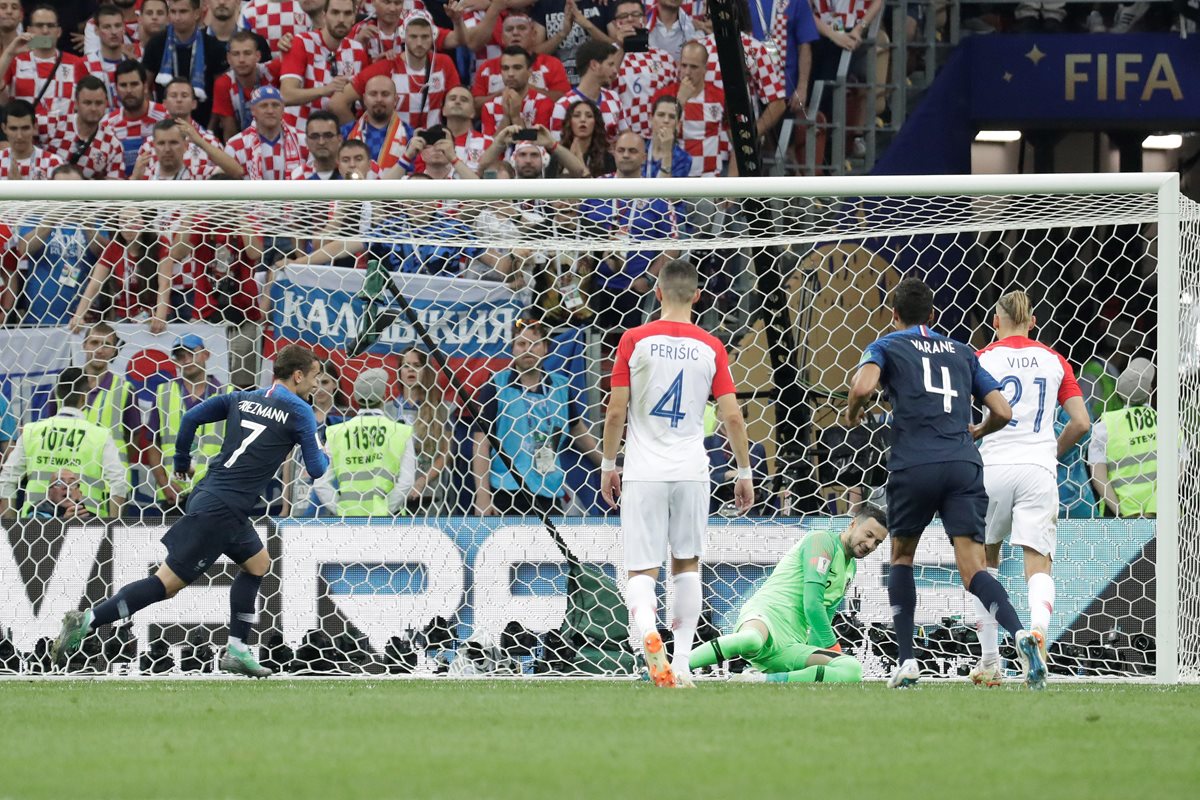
(785, 651)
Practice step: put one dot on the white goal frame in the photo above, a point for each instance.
(1164, 185)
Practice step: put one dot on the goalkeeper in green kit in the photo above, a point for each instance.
(785, 628)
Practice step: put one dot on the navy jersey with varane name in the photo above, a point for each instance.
(261, 428)
(929, 380)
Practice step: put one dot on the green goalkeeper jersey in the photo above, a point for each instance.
(819, 561)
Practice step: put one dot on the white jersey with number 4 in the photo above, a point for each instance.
(1036, 381)
(671, 369)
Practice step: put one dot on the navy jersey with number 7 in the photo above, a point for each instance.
(261, 428)
(929, 380)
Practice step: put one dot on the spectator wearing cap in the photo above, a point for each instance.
(518, 103)
(372, 459)
(269, 149)
(598, 63)
(422, 77)
(534, 416)
(548, 74)
(191, 386)
(185, 50)
(22, 159)
(126, 129)
(45, 76)
(321, 63)
(1123, 451)
(233, 89)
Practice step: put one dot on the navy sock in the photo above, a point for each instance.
(902, 594)
(130, 600)
(995, 599)
(243, 604)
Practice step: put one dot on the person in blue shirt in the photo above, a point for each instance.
(665, 156)
(934, 466)
(261, 428)
(57, 260)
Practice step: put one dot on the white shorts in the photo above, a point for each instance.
(1023, 501)
(654, 513)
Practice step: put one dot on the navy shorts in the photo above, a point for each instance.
(953, 490)
(208, 530)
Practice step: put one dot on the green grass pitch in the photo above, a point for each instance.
(502, 739)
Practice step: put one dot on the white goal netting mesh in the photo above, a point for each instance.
(166, 302)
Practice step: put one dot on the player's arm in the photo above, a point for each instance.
(864, 384)
(311, 449)
(739, 440)
(214, 409)
(1077, 426)
(817, 558)
(999, 412)
(614, 428)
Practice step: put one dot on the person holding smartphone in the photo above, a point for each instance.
(36, 70)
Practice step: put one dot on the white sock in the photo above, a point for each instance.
(988, 630)
(236, 643)
(1041, 601)
(688, 600)
(642, 601)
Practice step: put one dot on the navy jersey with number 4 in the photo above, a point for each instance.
(929, 380)
(261, 428)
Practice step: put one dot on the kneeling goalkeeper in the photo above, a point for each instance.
(785, 628)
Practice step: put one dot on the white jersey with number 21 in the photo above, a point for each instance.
(671, 369)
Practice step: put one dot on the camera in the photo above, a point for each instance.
(525, 135)
(433, 134)
(637, 42)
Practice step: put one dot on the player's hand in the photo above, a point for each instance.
(743, 494)
(976, 431)
(610, 487)
(157, 324)
(184, 477)
(171, 493)
(853, 417)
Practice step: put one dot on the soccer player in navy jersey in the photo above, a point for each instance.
(934, 466)
(261, 428)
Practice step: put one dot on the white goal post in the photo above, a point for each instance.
(797, 275)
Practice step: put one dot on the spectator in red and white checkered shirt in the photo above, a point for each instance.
(458, 115)
(76, 138)
(519, 103)
(132, 123)
(843, 27)
(705, 132)
(202, 153)
(383, 34)
(110, 31)
(165, 156)
(232, 91)
(768, 81)
(598, 63)
(21, 159)
(642, 75)
(422, 78)
(549, 75)
(275, 20)
(268, 150)
(321, 64)
(44, 76)
(128, 9)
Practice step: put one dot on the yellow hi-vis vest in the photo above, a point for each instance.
(65, 442)
(1132, 456)
(168, 399)
(365, 454)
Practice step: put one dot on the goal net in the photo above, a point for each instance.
(164, 293)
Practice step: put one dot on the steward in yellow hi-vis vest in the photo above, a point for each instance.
(191, 386)
(70, 466)
(372, 460)
(1123, 451)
